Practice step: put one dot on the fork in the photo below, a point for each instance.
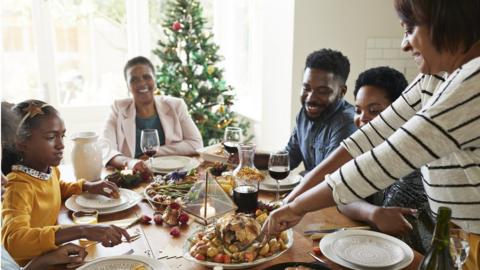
(317, 258)
(132, 238)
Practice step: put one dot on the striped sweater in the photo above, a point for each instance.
(435, 126)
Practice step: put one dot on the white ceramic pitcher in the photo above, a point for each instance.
(87, 155)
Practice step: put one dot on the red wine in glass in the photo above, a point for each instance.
(278, 172)
(150, 153)
(246, 198)
(279, 168)
(230, 147)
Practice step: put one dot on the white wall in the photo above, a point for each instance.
(343, 25)
(273, 129)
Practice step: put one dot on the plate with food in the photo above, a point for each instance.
(232, 244)
(213, 153)
(97, 201)
(163, 194)
(126, 262)
(133, 199)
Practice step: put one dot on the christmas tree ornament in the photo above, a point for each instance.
(176, 26)
(210, 69)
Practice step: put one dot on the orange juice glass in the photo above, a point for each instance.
(85, 217)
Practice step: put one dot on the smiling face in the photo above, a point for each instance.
(320, 89)
(141, 83)
(369, 102)
(44, 148)
(418, 42)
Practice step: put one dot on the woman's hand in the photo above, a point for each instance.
(109, 236)
(141, 167)
(102, 187)
(281, 219)
(66, 254)
(391, 220)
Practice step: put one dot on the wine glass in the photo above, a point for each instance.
(149, 143)
(232, 137)
(279, 169)
(459, 246)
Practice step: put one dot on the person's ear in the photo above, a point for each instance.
(343, 90)
(21, 146)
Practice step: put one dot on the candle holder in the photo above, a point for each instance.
(207, 200)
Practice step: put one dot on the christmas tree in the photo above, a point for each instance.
(189, 60)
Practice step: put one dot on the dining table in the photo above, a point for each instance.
(156, 241)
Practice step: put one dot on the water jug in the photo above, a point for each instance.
(87, 155)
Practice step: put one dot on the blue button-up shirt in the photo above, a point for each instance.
(313, 140)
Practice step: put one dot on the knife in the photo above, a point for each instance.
(325, 231)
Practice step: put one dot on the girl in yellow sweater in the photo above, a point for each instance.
(35, 192)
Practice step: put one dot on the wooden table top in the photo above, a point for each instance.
(157, 242)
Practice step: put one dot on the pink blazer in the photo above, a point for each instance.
(181, 134)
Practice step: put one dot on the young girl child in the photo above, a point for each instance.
(35, 192)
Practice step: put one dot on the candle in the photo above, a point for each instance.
(126, 171)
(210, 211)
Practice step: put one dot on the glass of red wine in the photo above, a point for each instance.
(279, 169)
(149, 142)
(231, 139)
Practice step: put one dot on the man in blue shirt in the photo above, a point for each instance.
(325, 118)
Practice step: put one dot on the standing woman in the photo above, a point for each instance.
(168, 115)
(437, 131)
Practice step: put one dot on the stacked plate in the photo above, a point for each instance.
(365, 250)
(103, 204)
(126, 262)
(166, 164)
(287, 184)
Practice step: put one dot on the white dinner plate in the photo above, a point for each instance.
(192, 164)
(368, 250)
(331, 246)
(186, 255)
(291, 181)
(97, 201)
(133, 199)
(126, 262)
(170, 163)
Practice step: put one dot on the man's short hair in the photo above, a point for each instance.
(388, 79)
(330, 61)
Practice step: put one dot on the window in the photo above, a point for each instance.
(20, 70)
(71, 53)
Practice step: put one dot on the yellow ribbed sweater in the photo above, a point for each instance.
(29, 213)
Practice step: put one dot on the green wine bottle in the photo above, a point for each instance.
(438, 256)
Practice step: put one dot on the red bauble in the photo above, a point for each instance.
(176, 26)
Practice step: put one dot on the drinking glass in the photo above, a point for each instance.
(232, 137)
(279, 169)
(149, 143)
(85, 217)
(459, 246)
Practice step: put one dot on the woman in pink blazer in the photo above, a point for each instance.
(178, 133)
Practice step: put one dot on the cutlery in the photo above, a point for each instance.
(131, 224)
(132, 239)
(317, 258)
(310, 232)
